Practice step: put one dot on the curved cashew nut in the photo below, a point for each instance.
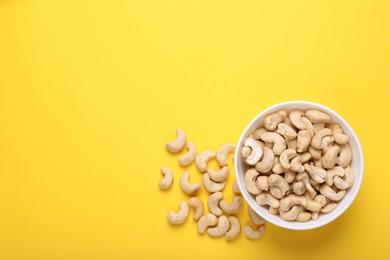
(232, 208)
(316, 142)
(203, 158)
(213, 203)
(245, 152)
(267, 199)
(258, 132)
(221, 228)
(291, 143)
(189, 157)
(206, 221)
(286, 131)
(338, 135)
(280, 183)
(235, 229)
(315, 153)
(267, 162)
(296, 119)
(198, 207)
(277, 169)
(168, 178)
(329, 207)
(330, 193)
(256, 219)
(250, 181)
(279, 144)
(219, 175)
(309, 126)
(336, 171)
(296, 163)
(285, 158)
(256, 151)
(223, 153)
(262, 183)
(293, 200)
(330, 158)
(273, 211)
(316, 116)
(322, 200)
(180, 216)
(272, 120)
(290, 215)
(186, 186)
(212, 186)
(327, 143)
(303, 140)
(316, 173)
(303, 217)
(347, 182)
(290, 176)
(236, 189)
(254, 234)
(303, 176)
(345, 156)
(299, 187)
(178, 144)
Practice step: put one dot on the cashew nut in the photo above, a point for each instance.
(168, 179)
(178, 144)
(286, 131)
(206, 221)
(186, 186)
(316, 116)
(327, 143)
(250, 181)
(330, 158)
(336, 171)
(267, 162)
(198, 207)
(221, 228)
(309, 125)
(296, 163)
(315, 153)
(203, 158)
(303, 176)
(256, 151)
(213, 203)
(267, 199)
(316, 142)
(254, 234)
(345, 156)
(189, 157)
(223, 153)
(329, 207)
(236, 189)
(210, 185)
(279, 144)
(273, 211)
(286, 156)
(347, 182)
(338, 135)
(303, 140)
(296, 119)
(316, 173)
(317, 127)
(290, 215)
(235, 229)
(219, 175)
(180, 216)
(262, 183)
(256, 219)
(232, 208)
(303, 217)
(278, 186)
(290, 176)
(291, 143)
(330, 193)
(292, 200)
(272, 120)
(322, 200)
(278, 169)
(288, 121)
(258, 132)
(299, 187)
(246, 151)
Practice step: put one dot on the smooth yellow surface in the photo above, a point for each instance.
(90, 91)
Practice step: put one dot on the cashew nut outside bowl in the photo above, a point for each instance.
(353, 147)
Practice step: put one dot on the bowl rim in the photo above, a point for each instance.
(251, 201)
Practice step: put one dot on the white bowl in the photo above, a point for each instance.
(357, 165)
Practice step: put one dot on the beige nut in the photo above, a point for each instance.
(317, 127)
(219, 175)
(180, 216)
(286, 156)
(329, 207)
(290, 176)
(189, 157)
(267, 199)
(235, 188)
(286, 131)
(299, 187)
(254, 234)
(203, 158)
(235, 229)
(315, 116)
(290, 215)
(293, 200)
(345, 156)
(316, 142)
(250, 181)
(296, 119)
(296, 163)
(273, 211)
(167, 181)
(303, 140)
(331, 173)
(330, 157)
(178, 144)
(212, 186)
(255, 219)
(338, 135)
(213, 203)
(272, 120)
(233, 207)
(267, 162)
(277, 168)
(309, 126)
(347, 181)
(186, 186)
(262, 183)
(322, 200)
(315, 153)
(277, 181)
(221, 228)
(303, 217)
(303, 176)
(279, 144)
(316, 173)
(327, 143)
(206, 221)
(223, 154)
(198, 207)
(245, 152)
(330, 193)
(258, 132)
(256, 151)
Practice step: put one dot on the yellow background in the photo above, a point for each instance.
(90, 91)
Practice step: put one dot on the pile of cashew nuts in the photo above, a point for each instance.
(221, 218)
(299, 164)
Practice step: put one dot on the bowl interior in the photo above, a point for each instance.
(357, 165)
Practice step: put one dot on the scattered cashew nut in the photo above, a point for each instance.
(186, 186)
(189, 157)
(256, 219)
(203, 158)
(254, 234)
(223, 153)
(166, 183)
(235, 229)
(180, 216)
(213, 203)
(198, 207)
(219, 175)
(178, 144)
(232, 208)
(212, 186)
(221, 228)
(206, 221)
